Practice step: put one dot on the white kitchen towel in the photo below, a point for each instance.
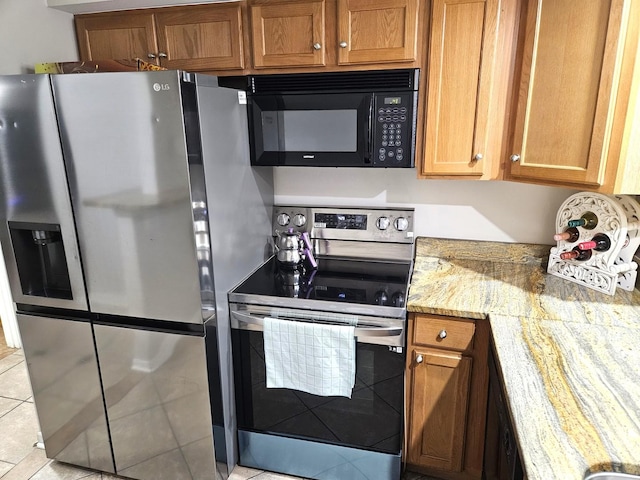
(311, 357)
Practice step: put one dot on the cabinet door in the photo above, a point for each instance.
(288, 34)
(116, 36)
(501, 455)
(570, 62)
(372, 31)
(438, 414)
(207, 37)
(461, 63)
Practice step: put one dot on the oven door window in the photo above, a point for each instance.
(371, 419)
(310, 130)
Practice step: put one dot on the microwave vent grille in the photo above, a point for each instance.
(376, 80)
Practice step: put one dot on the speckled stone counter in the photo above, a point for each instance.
(569, 356)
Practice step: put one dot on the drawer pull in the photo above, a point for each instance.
(442, 334)
(419, 359)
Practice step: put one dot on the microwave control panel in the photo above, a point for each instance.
(394, 130)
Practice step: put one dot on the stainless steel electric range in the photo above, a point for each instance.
(360, 277)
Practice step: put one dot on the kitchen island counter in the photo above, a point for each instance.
(569, 356)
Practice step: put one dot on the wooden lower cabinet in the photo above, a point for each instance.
(501, 454)
(447, 381)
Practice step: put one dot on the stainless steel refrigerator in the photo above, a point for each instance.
(128, 210)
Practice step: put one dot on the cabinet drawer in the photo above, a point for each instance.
(442, 332)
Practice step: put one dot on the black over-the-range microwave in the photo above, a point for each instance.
(338, 119)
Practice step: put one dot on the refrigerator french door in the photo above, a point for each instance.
(139, 160)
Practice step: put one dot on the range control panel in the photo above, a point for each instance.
(347, 223)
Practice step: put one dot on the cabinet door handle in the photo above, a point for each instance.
(343, 44)
(442, 334)
(151, 55)
(515, 158)
(477, 157)
(317, 46)
(419, 359)
(162, 55)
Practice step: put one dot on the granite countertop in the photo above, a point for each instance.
(569, 356)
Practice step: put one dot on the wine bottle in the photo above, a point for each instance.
(600, 243)
(577, 254)
(589, 220)
(570, 235)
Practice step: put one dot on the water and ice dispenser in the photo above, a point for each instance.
(41, 260)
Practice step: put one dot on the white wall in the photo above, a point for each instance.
(495, 211)
(30, 33)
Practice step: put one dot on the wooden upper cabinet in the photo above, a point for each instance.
(201, 37)
(574, 105)
(333, 33)
(288, 34)
(462, 45)
(116, 36)
(372, 31)
(198, 37)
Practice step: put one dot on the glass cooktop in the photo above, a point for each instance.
(350, 281)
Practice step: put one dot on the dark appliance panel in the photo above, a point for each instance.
(310, 130)
(355, 119)
(371, 419)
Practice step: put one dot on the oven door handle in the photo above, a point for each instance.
(249, 319)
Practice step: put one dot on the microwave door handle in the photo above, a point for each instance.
(369, 132)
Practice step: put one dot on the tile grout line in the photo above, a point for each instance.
(12, 409)
(7, 472)
(11, 398)
(36, 472)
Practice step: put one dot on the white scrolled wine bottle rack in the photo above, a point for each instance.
(618, 217)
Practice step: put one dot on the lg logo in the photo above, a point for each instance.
(161, 86)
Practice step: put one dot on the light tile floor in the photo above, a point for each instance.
(20, 459)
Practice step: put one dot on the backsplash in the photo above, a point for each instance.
(460, 209)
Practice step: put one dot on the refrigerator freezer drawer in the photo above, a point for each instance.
(62, 365)
(157, 396)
